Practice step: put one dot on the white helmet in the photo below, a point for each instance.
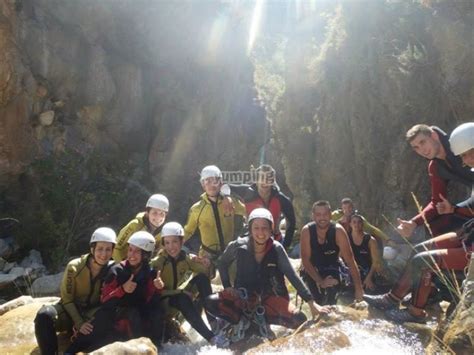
(104, 234)
(142, 240)
(172, 229)
(158, 201)
(211, 171)
(389, 253)
(462, 138)
(261, 213)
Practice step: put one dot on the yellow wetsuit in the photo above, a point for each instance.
(216, 233)
(139, 223)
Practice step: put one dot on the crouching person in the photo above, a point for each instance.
(80, 293)
(130, 300)
(175, 268)
(259, 293)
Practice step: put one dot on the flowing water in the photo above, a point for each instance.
(368, 336)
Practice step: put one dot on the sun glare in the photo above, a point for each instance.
(255, 24)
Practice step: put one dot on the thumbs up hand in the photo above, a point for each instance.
(130, 285)
(158, 282)
(444, 207)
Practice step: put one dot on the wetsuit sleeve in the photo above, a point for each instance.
(438, 186)
(239, 207)
(120, 250)
(465, 208)
(68, 292)
(112, 288)
(191, 224)
(224, 262)
(287, 269)
(239, 190)
(374, 231)
(197, 267)
(289, 213)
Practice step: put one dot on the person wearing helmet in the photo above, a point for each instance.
(176, 268)
(450, 251)
(322, 244)
(80, 293)
(444, 167)
(259, 292)
(130, 299)
(462, 145)
(216, 228)
(151, 221)
(266, 193)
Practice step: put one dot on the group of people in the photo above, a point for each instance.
(142, 281)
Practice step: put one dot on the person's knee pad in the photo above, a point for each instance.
(46, 316)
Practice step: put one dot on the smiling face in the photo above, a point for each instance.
(265, 181)
(212, 186)
(357, 225)
(427, 146)
(102, 252)
(156, 216)
(468, 157)
(172, 245)
(322, 216)
(261, 230)
(134, 255)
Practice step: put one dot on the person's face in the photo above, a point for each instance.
(211, 186)
(356, 224)
(322, 216)
(265, 181)
(468, 158)
(347, 209)
(102, 252)
(156, 216)
(426, 146)
(261, 230)
(134, 255)
(172, 245)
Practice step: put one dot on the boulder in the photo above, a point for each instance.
(32, 260)
(47, 285)
(135, 346)
(6, 279)
(17, 326)
(18, 271)
(23, 300)
(8, 266)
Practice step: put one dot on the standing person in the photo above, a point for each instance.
(343, 217)
(365, 250)
(216, 227)
(432, 143)
(322, 242)
(175, 266)
(80, 293)
(151, 221)
(259, 287)
(450, 251)
(265, 193)
(130, 298)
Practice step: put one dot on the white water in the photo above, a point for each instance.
(373, 336)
